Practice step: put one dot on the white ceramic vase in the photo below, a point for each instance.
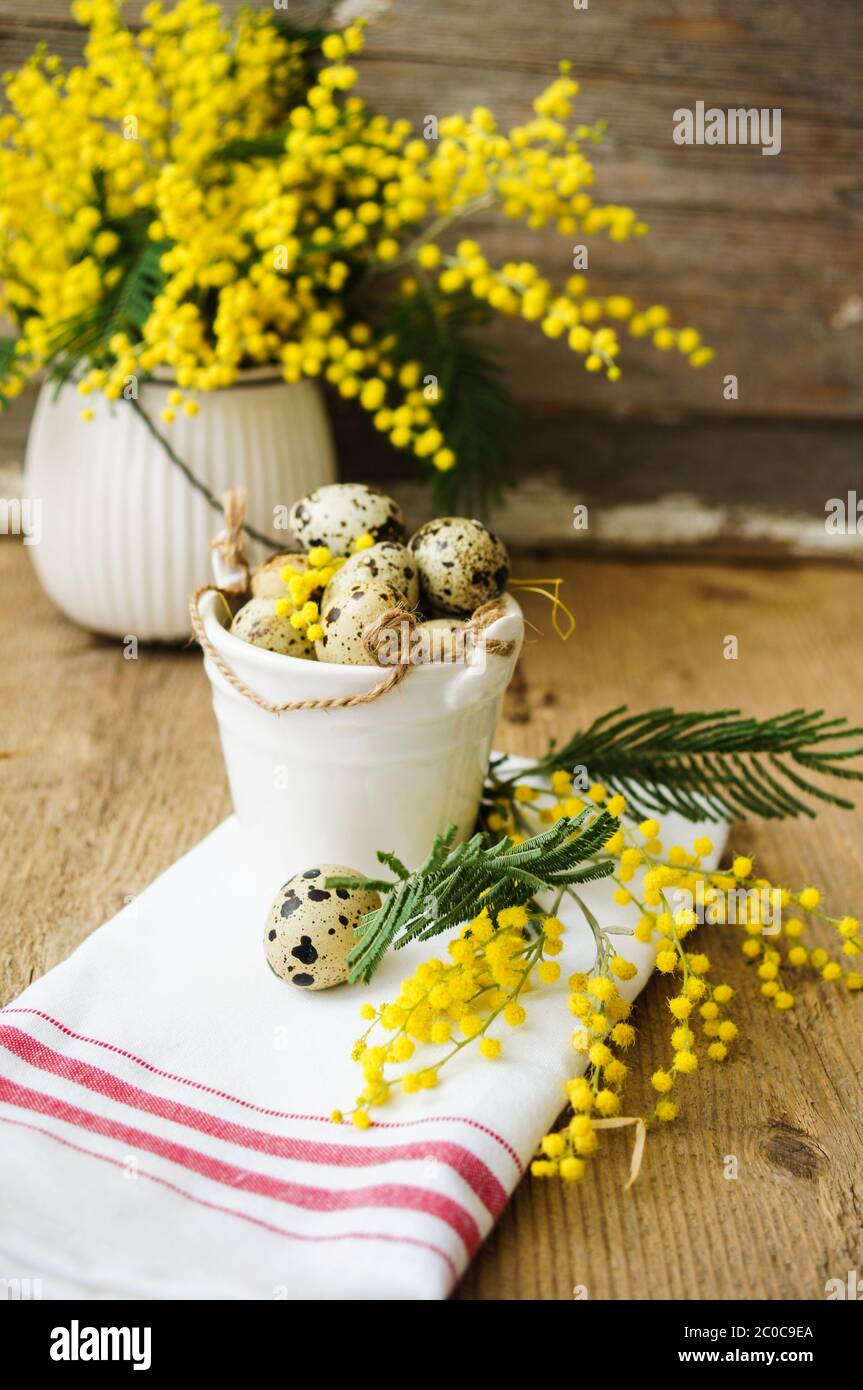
(125, 537)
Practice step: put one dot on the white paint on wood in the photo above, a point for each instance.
(541, 514)
(348, 10)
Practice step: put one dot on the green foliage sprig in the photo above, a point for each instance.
(7, 361)
(706, 766)
(476, 413)
(124, 309)
(453, 884)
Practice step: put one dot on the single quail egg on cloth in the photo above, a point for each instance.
(337, 514)
(309, 932)
(461, 563)
(345, 617)
(259, 624)
(267, 581)
(389, 561)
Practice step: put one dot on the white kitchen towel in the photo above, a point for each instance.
(164, 1104)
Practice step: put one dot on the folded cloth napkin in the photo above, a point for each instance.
(164, 1104)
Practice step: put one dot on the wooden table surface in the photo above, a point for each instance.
(110, 769)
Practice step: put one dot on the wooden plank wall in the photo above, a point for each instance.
(765, 254)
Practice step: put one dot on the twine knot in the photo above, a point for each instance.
(482, 618)
(399, 621)
(229, 542)
(388, 639)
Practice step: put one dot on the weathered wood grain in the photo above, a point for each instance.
(683, 486)
(111, 769)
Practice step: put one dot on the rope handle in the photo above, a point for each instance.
(393, 618)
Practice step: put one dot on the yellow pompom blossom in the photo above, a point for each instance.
(449, 1003)
(207, 194)
(701, 1032)
(596, 1095)
(305, 587)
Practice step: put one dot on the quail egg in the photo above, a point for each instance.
(348, 614)
(267, 579)
(336, 514)
(389, 561)
(461, 563)
(259, 624)
(309, 932)
(440, 639)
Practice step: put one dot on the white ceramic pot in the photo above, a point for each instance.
(338, 785)
(125, 536)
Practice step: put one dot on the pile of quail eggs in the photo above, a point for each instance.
(353, 563)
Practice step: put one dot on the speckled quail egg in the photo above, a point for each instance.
(336, 514)
(309, 932)
(267, 579)
(440, 639)
(345, 618)
(389, 561)
(461, 563)
(259, 624)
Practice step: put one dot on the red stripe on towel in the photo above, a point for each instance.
(466, 1164)
(398, 1196)
(230, 1211)
(261, 1109)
